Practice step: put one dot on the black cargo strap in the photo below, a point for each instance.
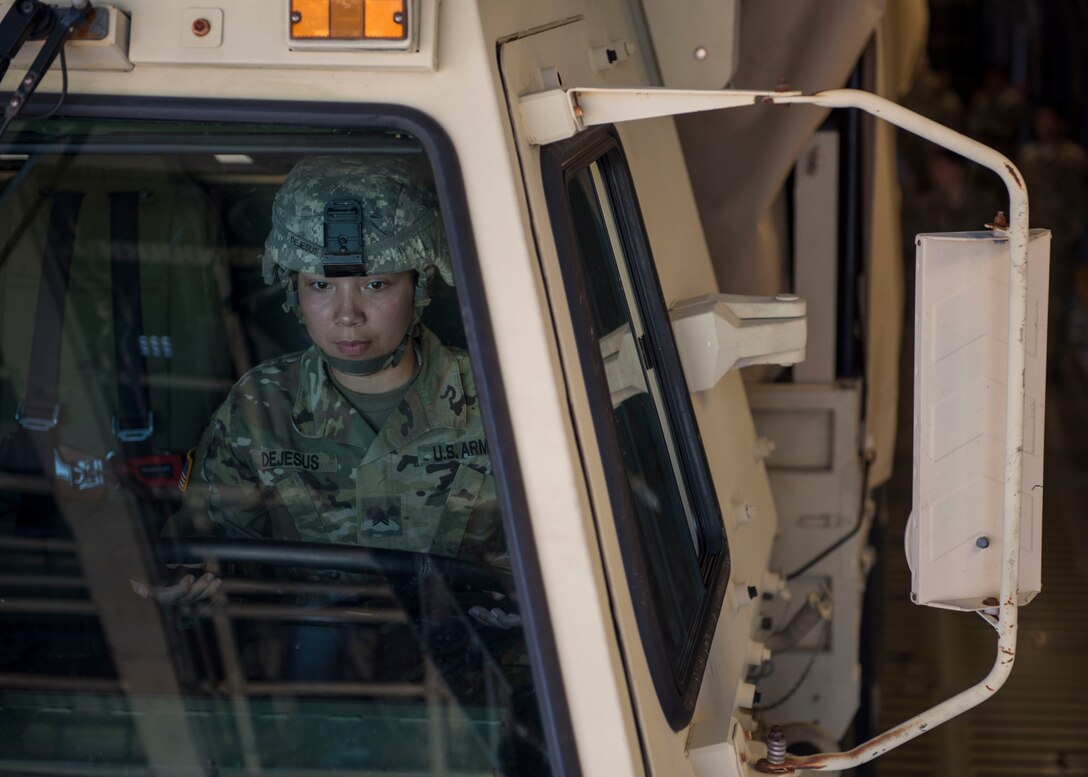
(32, 449)
(29, 215)
(40, 410)
(39, 413)
(133, 422)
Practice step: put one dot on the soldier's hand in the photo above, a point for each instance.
(496, 617)
(192, 588)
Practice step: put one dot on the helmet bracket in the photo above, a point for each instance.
(344, 239)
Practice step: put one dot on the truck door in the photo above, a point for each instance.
(619, 241)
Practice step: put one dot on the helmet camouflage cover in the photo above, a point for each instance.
(325, 202)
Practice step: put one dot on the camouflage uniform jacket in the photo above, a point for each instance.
(286, 456)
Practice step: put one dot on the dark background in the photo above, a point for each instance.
(1037, 724)
(1041, 43)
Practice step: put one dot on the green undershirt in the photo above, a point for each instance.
(376, 408)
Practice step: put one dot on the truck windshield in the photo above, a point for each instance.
(224, 548)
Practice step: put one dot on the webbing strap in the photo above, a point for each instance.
(40, 410)
(133, 420)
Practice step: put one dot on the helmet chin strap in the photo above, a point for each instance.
(369, 366)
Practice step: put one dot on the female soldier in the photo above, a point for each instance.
(373, 435)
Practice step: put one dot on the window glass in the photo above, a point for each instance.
(230, 540)
(667, 517)
(664, 519)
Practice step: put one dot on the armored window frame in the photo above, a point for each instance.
(676, 673)
(476, 321)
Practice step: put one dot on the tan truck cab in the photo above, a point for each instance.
(678, 311)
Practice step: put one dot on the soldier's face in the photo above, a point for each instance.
(356, 317)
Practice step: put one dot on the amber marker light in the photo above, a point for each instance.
(343, 20)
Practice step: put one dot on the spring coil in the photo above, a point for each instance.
(776, 746)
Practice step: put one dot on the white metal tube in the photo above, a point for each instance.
(1014, 426)
(608, 105)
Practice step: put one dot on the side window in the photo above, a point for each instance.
(659, 488)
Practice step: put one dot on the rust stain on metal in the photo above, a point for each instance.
(201, 27)
(887, 736)
(875, 747)
(1007, 651)
(990, 601)
(1012, 172)
(84, 26)
(765, 766)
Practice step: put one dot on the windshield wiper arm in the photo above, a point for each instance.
(33, 20)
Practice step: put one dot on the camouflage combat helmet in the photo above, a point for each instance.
(339, 216)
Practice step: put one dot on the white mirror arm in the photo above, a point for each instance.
(1014, 429)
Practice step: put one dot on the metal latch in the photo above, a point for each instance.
(135, 433)
(719, 332)
(35, 424)
(81, 474)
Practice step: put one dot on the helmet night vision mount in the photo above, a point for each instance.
(344, 239)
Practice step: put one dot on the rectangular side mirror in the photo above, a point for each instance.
(954, 537)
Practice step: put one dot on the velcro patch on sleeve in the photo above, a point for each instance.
(284, 458)
(447, 451)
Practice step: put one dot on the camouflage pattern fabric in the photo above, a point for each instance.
(286, 456)
(402, 230)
